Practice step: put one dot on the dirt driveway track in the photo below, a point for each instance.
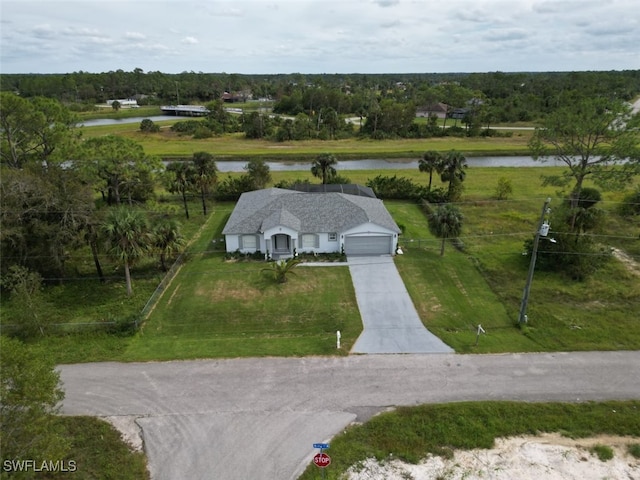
(258, 418)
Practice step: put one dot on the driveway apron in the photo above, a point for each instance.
(391, 322)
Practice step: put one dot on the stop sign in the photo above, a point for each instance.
(322, 460)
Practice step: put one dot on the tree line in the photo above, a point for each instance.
(509, 97)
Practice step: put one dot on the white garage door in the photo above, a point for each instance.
(373, 245)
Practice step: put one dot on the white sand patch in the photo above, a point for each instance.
(548, 457)
(129, 430)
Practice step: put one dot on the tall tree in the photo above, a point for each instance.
(167, 239)
(431, 162)
(594, 138)
(43, 216)
(128, 238)
(126, 172)
(31, 395)
(40, 131)
(259, 172)
(454, 171)
(180, 178)
(205, 175)
(445, 222)
(324, 167)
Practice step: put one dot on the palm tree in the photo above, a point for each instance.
(128, 238)
(445, 222)
(453, 171)
(205, 175)
(167, 239)
(323, 167)
(280, 269)
(181, 177)
(431, 162)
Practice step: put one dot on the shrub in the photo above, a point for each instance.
(603, 452)
(504, 189)
(232, 187)
(187, 127)
(588, 197)
(634, 450)
(575, 255)
(631, 204)
(148, 126)
(398, 188)
(202, 132)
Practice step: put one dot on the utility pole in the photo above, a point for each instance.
(534, 253)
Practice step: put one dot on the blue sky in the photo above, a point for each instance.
(308, 36)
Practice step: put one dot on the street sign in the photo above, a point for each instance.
(322, 460)
(323, 446)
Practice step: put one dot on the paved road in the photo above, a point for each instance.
(390, 320)
(258, 418)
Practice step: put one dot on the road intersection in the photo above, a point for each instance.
(259, 417)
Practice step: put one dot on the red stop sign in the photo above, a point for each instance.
(322, 460)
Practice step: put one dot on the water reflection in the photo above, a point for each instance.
(389, 164)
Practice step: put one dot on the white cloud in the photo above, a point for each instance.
(135, 36)
(275, 36)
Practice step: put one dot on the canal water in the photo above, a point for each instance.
(363, 164)
(101, 122)
(388, 164)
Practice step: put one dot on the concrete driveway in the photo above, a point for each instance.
(391, 323)
(259, 417)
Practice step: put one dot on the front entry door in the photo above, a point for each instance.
(282, 243)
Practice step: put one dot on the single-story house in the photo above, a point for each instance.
(435, 109)
(281, 223)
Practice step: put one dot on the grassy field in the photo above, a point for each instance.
(412, 433)
(110, 113)
(169, 144)
(220, 308)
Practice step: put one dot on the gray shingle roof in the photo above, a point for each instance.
(260, 210)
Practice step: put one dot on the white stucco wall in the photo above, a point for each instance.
(324, 244)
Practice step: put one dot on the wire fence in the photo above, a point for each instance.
(128, 324)
(157, 293)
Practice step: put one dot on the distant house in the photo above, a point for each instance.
(233, 97)
(438, 109)
(285, 222)
(125, 103)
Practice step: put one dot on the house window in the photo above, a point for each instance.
(333, 237)
(309, 240)
(249, 242)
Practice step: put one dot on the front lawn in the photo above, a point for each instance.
(220, 308)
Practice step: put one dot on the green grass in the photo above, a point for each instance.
(98, 453)
(220, 308)
(603, 452)
(412, 433)
(110, 113)
(198, 315)
(169, 144)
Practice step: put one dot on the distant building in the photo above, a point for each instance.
(438, 109)
(125, 103)
(233, 97)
